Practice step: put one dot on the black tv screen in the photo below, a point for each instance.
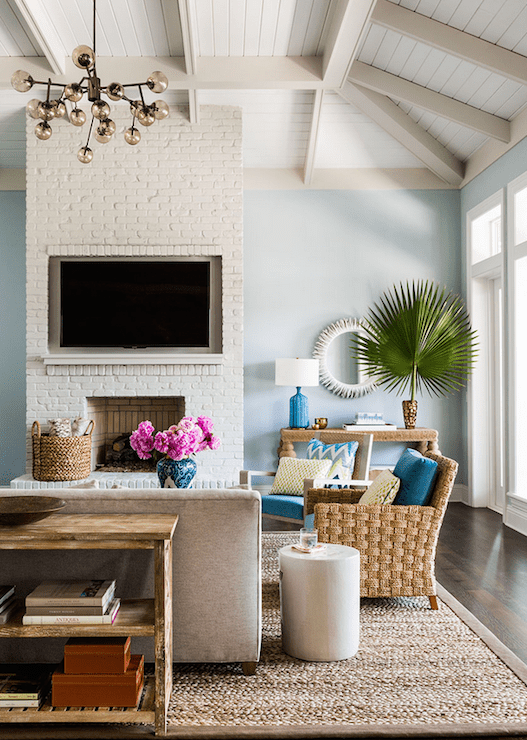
(134, 303)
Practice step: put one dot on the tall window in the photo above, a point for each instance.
(517, 253)
(485, 229)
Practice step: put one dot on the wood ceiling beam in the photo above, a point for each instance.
(309, 164)
(453, 110)
(408, 133)
(44, 34)
(348, 22)
(215, 73)
(451, 40)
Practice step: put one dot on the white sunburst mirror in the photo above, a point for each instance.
(321, 353)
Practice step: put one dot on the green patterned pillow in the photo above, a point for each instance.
(383, 490)
(292, 471)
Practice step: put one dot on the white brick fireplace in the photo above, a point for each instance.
(178, 193)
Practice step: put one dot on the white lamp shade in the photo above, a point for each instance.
(297, 372)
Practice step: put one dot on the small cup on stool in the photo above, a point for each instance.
(308, 537)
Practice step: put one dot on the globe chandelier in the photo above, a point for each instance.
(90, 85)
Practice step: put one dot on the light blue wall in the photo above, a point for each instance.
(12, 335)
(313, 257)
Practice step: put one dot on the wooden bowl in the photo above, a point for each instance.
(16, 510)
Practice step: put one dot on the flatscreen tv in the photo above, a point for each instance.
(135, 304)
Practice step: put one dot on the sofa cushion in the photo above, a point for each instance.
(383, 490)
(417, 474)
(291, 507)
(292, 471)
(342, 456)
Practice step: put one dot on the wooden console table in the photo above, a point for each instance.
(151, 617)
(427, 439)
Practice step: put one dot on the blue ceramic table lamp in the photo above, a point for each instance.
(297, 372)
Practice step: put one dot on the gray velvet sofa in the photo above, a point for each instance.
(216, 571)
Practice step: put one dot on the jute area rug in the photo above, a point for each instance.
(418, 672)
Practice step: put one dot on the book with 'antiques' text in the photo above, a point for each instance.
(107, 618)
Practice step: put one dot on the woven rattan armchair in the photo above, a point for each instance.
(397, 544)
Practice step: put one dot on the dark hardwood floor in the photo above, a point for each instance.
(483, 564)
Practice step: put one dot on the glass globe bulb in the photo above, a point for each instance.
(59, 108)
(157, 82)
(85, 155)
(161, 109)
(43, 130)
(83, 57)
(77, 117)
(108, 125)
(73, 92)
(32, 108)
(102, 138)
(115, 91)
(46, 110)
(132, 136)
(100, 109)
(145, 116)
(22, 81)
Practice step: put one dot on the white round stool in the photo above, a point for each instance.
(319, 602)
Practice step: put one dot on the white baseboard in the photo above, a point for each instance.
(460, 494)
(516, 515)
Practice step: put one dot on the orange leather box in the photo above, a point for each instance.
(99, 690)
(98, 655)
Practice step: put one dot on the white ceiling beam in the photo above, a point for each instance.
(451, 40)
(349, 20)
(188, 32)
(215, 73)
(394, 121)
(193, 106)
(44, 33)
(453, 110)
(309, 164)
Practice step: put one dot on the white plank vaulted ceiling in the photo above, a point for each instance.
(323, 84)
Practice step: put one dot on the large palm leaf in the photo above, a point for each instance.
(417, 336)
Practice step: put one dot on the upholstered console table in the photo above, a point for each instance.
(427, 439)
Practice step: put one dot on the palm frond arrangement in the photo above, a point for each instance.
(418, 336)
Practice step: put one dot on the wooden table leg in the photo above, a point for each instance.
(286, 449)
(162, 632)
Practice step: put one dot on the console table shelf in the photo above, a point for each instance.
(144, 713)
(135, 617)
(151, 617)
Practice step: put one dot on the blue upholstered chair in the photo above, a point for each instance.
(291, 508)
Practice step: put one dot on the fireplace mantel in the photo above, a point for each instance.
(131, 358)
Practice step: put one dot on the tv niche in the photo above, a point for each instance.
(136, 304)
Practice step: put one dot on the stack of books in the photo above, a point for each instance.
(72, 602)
(368, 421)
(7, 602)
(23, 688)
(98, 671)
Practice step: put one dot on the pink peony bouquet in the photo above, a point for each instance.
(178, 441)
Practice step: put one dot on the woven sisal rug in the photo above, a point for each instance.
(417, 672)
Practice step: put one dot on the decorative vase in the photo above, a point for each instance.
(410, 414)
(176, 473)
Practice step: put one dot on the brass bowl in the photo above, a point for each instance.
(322, 422)
(16, 510)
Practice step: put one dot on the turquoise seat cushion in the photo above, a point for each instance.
(281, 505)
(417, 475)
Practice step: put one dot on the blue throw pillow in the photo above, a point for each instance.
(417, 474)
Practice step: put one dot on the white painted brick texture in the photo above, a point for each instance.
(179, 192)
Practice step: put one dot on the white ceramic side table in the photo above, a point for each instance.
(319, 603)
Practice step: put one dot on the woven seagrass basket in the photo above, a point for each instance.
(61, 458)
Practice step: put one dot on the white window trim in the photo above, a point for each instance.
(479, 405)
